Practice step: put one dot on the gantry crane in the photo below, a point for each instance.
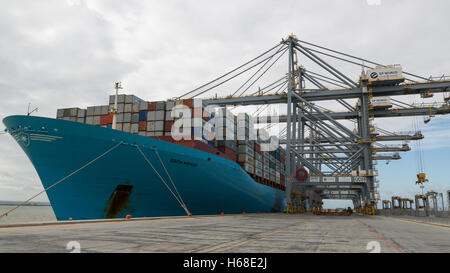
(339, 161)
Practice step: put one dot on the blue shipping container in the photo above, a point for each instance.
(143, 115)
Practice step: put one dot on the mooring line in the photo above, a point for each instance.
(162, 179)
(61, 180)
(167, 172)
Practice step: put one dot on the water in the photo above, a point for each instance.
(27, 214)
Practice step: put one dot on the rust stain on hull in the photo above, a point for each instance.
(118, 201)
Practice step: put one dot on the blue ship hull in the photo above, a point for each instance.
(122, 182)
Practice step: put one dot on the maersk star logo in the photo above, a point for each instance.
(24, 138)
(373, 2)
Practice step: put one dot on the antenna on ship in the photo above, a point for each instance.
(115, 111)
(28, 111)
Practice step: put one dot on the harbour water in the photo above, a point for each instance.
(27, 214)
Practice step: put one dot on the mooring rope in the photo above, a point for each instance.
(167, 172)
(62, 179)
(162, 179)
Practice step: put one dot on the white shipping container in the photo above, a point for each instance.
(129, 98)
(128, 108)
(249, 168)
(126, 127)
(151, 116)
(143, 105)
(150, 133)
(246, 158)
(272, 178)
(160, 105)
(60, 113)
(258, 172)
(134, 128)
(266, 175)
(159, 125)
(142, 133)
(80, 120)
(258, 164)
(81, 113)
(119, 126)
(169, 115)
(120, 107)
(96, 120)
(97, 110)
(121, 98)
(135, 108)
(104, 110)
(244, 149)
(150, 126)
(159, 115)
(272, 171)
(126, 117)
(170, 104)
(159, 133)
(119, 117)
(90, 111)
(90, 120)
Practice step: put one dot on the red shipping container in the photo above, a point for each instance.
(189, 103)
(228, 153)
(257, 148)
(106, 119)
(143, 125)
(282, 160)
(151, 106)
(282, 180)
(168, 126)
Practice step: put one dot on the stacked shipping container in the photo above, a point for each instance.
(235, 137)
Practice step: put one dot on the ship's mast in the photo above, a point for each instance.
(115, 111)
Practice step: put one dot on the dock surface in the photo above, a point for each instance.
(250, 233)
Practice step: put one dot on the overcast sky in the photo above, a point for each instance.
(58, 54)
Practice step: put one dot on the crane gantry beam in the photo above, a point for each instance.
(384, 113)
(335, 94)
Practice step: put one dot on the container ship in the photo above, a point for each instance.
(139, 169)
